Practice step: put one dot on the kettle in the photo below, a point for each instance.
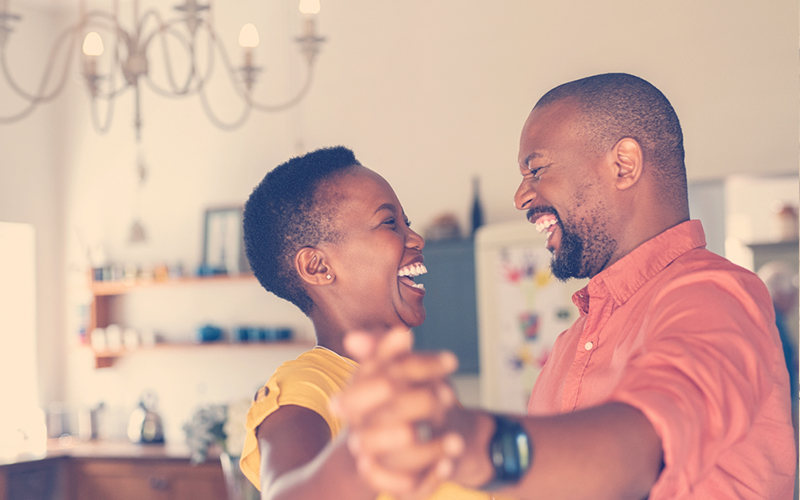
(144, 425)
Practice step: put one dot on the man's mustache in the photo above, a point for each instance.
(541, 210)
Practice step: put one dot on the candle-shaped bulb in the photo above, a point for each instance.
(248, 36)
(93, 44)
(309, 7)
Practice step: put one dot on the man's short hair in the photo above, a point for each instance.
(284, 214)
(618, 105)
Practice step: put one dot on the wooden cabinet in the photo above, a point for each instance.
(137, 479)
(44, 479)
(451, 310)
(152, 477)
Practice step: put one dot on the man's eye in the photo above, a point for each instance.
(536, 171)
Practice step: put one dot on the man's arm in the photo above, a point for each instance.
(610, 451)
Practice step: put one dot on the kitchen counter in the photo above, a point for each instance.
(120, 449)
(103, 470)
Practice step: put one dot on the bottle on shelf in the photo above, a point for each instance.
(477, 208)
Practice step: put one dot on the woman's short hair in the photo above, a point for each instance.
(284, 214)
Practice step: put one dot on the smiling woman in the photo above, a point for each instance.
(330, 236)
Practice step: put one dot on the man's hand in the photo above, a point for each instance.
(396, 407)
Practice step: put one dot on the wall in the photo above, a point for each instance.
(31, 191)
(426, 93)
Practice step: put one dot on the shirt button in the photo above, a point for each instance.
(588, 346)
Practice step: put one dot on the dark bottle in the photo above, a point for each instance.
(477, 209)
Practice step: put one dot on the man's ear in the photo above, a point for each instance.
(312, 266)
(628, 162)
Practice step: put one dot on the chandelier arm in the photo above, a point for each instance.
(113, 92)
(41, 96)
(32, 105)
(237, 85)
(216, 121)
(162, 29)
(102, 127)
(270, 108)
(162, 32)
(201, 80)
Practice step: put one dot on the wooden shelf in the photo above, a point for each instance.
(103, 292)
(104, 288)
(105, 359)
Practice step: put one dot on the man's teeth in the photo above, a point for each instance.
(543, 224)
(413, 270)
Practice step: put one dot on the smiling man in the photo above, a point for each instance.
(669, 385)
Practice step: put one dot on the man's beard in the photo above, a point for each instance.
(566, 263)
(576, 258)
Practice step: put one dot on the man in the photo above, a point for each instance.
(669, 385)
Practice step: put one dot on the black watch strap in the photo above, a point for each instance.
(510, 451)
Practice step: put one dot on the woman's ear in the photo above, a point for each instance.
(628, 162)
(312, 266)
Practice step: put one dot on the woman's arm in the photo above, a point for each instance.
(299, 460)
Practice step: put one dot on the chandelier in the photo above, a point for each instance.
(130, 57)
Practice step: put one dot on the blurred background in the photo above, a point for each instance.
(430, 94)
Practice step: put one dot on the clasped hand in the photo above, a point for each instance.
(397, 408)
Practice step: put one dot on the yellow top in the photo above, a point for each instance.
(310, 381)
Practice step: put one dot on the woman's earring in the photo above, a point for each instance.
(328, 276)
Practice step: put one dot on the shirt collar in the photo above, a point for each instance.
(623, 278)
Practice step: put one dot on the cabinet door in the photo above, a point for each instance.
(135, 479)
(35, 480)
(451, 312)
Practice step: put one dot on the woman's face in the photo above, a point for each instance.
(377, 256)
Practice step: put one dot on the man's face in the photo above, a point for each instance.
(564, 191)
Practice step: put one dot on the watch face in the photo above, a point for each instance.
(510, 451)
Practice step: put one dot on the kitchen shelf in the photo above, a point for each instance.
(104, 288)
(103, 292)
(106, 358)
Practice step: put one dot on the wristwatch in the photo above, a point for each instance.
(510, 451)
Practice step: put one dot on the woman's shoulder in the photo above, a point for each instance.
(317, 364)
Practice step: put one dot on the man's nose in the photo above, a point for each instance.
(524, 196)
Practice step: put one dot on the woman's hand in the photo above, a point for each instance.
(397, 407)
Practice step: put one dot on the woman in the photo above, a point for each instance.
(329, 235)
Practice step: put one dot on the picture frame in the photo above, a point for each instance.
(223, 242)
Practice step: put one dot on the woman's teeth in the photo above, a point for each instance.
(412, 271)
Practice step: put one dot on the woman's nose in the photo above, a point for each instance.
(414, 240)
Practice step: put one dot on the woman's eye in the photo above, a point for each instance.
(389, 222)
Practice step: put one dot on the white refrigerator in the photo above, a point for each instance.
(522, 308)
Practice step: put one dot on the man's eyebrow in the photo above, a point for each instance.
(385, 206)
(532, 156)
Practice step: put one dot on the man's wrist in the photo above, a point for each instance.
(510, 451)
(473, 467)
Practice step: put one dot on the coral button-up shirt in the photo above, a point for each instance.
(690, 340)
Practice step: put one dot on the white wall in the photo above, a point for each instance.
(426, 93)
(31, 191)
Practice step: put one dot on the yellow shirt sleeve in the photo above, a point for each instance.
(311, 381)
